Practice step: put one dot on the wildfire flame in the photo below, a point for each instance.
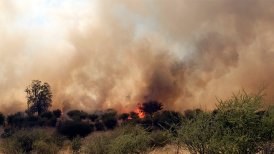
(139, 112)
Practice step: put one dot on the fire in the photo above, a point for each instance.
(139, 112)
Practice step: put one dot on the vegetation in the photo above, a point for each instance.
(240, 124)
(2, 119)
(72, 129)
(76, 145)
(39, 97)
(150, 107)
(35, 141)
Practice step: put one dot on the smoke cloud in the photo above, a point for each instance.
(116, 54)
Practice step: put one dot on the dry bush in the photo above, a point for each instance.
(34, 141)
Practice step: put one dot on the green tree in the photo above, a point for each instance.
(39, 97)
(239, 126)
(196, 133)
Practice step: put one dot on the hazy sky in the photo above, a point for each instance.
(100, 54)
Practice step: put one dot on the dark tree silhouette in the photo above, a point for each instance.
(133, 115)
(123, 116)
(93, 117)
(72, 129)
(57, 113)
(16, 119)
(109, 118)
(151, 107)
(77, 115)
(39, 97)
(2, 119)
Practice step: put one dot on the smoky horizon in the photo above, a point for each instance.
(100, 54)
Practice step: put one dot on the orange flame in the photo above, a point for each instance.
(140, 113)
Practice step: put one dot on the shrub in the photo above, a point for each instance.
(57, 113)
(124, 116)
(99, 126)
(25, 142)
(76, 144)
(127, 139)
(2, 119)
(133, 115)
(31, 121)
(196, 134)
(16, 120)
(99, 144)
(42, 147)
(160, 138)
(47, 115)
(167, 119)
(110, 122)
(72, 129)
(30, 142)
(129, 143)
(151, 107)
(93, 117)
(7, 133)
(10, 146)
(191, 114)
(77, 115)
(239, 124)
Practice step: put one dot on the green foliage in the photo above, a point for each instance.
(98, 144)
(129, 143)
(10, 146)
(72, 129)
(195, 134)
(42, 147)
(191, 114)
(35, 141)
(160, 138)
(76, 144)
(39, 97)
(238, 125)
(167, 120)
(128, 139)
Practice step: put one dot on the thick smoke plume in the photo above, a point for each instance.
(116, 54)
